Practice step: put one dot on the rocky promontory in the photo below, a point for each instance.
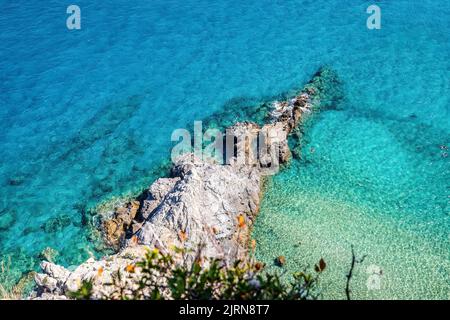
(203, 204)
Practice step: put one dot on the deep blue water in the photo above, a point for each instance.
(86, 115)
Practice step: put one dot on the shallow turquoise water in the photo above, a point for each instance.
(363, 186)
(87, 114)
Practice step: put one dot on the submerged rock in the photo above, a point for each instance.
(48, 254)
(56, 224)
(280, 261)
(7, 219)
(16, 181)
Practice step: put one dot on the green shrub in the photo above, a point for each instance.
(158, 276)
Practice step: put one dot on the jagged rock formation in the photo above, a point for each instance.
(203, 207)
(203, 204)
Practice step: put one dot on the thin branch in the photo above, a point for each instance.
(350, 273)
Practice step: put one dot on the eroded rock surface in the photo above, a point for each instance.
(203, 208)
(115, 229)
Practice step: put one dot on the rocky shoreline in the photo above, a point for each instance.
(202, 204)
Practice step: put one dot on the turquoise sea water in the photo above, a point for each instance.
(87, 115)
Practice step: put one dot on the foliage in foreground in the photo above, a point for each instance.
(158, 276)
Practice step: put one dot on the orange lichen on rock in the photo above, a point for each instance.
(100, 272)
(182, 235)
(241, 221)
(130, 268)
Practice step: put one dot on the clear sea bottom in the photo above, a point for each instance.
(374, 182)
